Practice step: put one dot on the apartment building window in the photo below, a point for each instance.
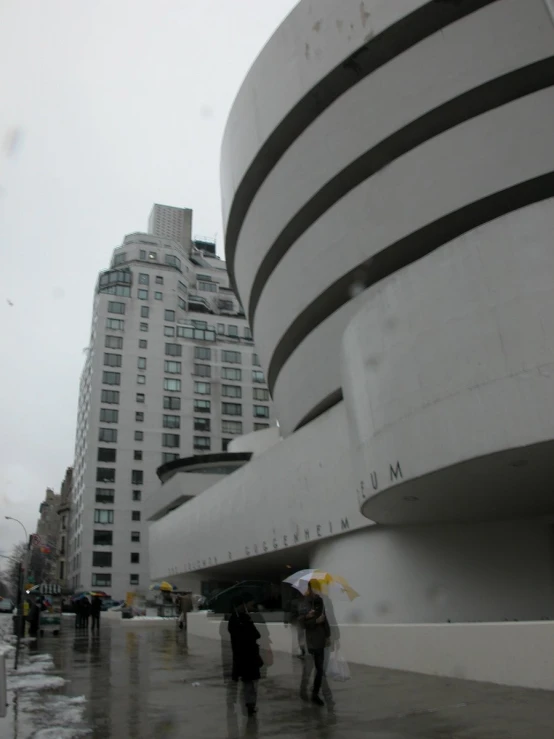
(202, 352)
(172, 422)
(144, 279)
(261, 411)
(102, 538)
(159, 280)
(181, 286)
(231, 391)
(158, 296)
(172, 261)
(171, 440)
(169, 315)
(231, 357)
(172, 385)
(232, 330)
(202, 443)
(202, 406)
(203, 370)
(144, 311)
(139, 435)
(101, 559)
(225, 444)
(202, 388)
(100, 579)
(189, 332)
(109, 415)
(141, 379)
(152, 256)
(231, 373)
(142, 254)
(116, 307)
(260, 393)
(107, 435)
(247, 333)
(209, 287)
(221, 329)
(169, 457)
(261, 426)
(139, 416)
(135, 536)
(115, 324)
(137, 477)
(257, 376)
(103, 515)
(105, 474)
(141, 363)
(171, 367)
(137, 454)
(143, 344)
(202, 424)
(113, 342)
(137, 495)
(173, 350)
(169, 331)
(106, 454)
(231, 409)
(135, 558)
(144, 327)
(182, 303)
(231, 427)
(105, 495)
(112, 360)
(110, 396)
(111, 378)
(255, 360)
(119, 259)
(135, 515)
(140, 397)
(172, 403)
(143, 294)
(133, 579)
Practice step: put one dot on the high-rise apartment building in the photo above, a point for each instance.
(171, 371)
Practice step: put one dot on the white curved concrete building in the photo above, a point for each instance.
(388, 187)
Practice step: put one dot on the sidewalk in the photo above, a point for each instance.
(143, 683)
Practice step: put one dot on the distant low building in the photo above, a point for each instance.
(62, 543)
(47, 534)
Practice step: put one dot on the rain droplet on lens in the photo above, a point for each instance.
(355, 289)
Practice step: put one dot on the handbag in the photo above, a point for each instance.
(338, 669)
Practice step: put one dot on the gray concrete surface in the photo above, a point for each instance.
(140, 682)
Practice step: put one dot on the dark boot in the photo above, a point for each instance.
(251, 708)
(317, 700)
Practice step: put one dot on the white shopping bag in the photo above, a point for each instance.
(337, 669)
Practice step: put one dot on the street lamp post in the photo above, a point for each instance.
(22, 579)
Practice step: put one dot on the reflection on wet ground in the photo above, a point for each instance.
(143, 681)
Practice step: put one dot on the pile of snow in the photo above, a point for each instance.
(34, 682)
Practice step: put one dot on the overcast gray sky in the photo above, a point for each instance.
(105, 108)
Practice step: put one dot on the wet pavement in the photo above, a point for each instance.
(143, 681)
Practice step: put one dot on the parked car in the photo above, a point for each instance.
(6, 605)
(108, 603)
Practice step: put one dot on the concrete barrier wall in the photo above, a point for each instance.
(506, 653)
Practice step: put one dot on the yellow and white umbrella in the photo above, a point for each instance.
(322, 582)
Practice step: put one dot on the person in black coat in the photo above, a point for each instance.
(95, 608)
(245, 649)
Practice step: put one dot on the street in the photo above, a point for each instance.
(141, 680)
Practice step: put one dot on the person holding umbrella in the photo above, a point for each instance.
(313, 619)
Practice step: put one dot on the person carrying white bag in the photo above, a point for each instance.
(337, 666)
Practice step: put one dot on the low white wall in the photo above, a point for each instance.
(506, 653)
